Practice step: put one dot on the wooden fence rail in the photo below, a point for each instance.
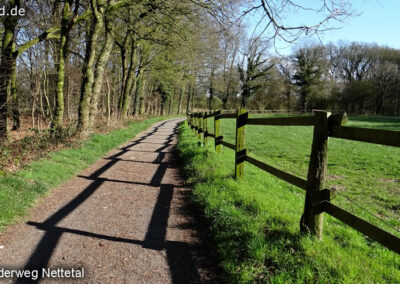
(317, 200)
(299, 182)
(287, 121)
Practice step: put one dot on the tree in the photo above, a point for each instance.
(385, 79)
(255, 69)
(310, 68)
(67, 22)
(157, 54)
(286, 69)
(231, 44)
(355, 61)
(275, 25)
(7, 64)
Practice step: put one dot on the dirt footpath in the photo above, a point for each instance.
(126, 219)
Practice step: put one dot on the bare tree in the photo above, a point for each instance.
(273, 17)
(254, 67)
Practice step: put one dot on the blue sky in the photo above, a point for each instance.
(379, 23)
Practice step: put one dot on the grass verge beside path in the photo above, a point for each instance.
(19, 190)
(255, 224)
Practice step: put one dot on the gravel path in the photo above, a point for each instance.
(126, 219)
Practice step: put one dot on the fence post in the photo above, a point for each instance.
(200, 126)
(217, 131)
(312, 219)
(196, 123)
(193, 121)
(205, 128)
(240, 153)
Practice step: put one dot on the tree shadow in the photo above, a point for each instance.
(181, 256)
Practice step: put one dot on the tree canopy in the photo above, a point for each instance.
(76, 62)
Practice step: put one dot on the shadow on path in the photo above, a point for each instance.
(180, 258)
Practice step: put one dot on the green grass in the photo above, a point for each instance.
(366, 173)
(20, 190)
(255, 221)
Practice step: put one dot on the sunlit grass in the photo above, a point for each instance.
(255, 221)
(366, 173)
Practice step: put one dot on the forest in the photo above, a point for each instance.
(76, 62)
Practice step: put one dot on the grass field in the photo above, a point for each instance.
(255, 221)
(368, 174)
(19, 190)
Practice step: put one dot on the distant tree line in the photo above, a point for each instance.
(354, 77)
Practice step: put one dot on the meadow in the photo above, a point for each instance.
(367, 174)
(255, 221)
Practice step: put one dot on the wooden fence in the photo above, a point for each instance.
(318, 199)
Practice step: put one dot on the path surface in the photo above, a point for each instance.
(126, 219)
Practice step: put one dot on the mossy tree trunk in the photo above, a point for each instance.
(8, 58)
(124, 64)
(130, 84)
(57, 121)
(14, 96)
(101, 64)
(97, 7)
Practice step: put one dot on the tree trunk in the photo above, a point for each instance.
(188, 99)
(141, 106)
(45, 88)
(88, 69)
(211, 90)
(163, 103)
(225, 99)
(378, 104)
(68, 100)
(180, 100)
(6, 66)
(124, 61)
(57, 121)
(398, 104)
(130, 84)
(138, 92)
(169, 105)
(289, 105)
(108, 105)
(14, 96)
(101, 64)
(191, 94)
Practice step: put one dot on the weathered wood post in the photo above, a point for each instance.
(240, 153)
(193, 122)
(313, 219)
(196, 123)
(217, 131)
(200, 126)
(205, 128)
